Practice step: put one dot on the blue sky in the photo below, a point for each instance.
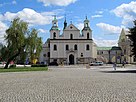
(107, 17)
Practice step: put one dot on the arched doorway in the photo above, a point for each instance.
(71, 59)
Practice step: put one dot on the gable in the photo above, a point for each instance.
(72, 27)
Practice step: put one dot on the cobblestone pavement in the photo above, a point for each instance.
(68, 85)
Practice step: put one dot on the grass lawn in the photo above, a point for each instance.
(23, 69)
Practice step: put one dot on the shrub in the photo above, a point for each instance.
(38, 65)
(12, 66)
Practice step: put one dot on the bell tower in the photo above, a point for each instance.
(54, 31)
(87, 32)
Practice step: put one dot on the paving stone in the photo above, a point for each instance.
(67, 84)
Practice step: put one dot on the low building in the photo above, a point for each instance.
(109, 54)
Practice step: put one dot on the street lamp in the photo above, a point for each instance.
(109, 56)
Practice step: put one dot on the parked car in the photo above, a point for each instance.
(53, 64)
(97, 63)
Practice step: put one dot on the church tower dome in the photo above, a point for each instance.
(54, 31)
(86, 31)
(55, 24)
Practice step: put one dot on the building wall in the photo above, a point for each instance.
(70, 36)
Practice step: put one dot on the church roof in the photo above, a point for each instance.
(86, 28)
(104, 48)
(72, 27)
(54, 28)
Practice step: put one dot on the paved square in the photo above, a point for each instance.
(68, 84)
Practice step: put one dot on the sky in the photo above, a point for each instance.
(107, 17)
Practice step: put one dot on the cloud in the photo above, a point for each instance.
(99, 12)
(106, 43)
(80, 26)
(109, 28)
(43, 31)
(127, 12)
(3, 27)
(97, 16)
(57, 2)
(30, 16)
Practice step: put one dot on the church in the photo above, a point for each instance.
(71, 47)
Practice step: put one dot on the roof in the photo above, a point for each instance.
(71, 27)
(104, 48)
(116, 48)
(54, 28)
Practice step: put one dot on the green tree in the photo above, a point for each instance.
(132, 37)
(34, 45)
(19, 39)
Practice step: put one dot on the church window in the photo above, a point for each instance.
(48, 54)
(87, 47)
(55, 47)
(71, 36)
(86, 24)
(55, 24)
(67, 47)
(75, 47)
(81, 54)
(71, 27)
(88, 36)
(54, 35)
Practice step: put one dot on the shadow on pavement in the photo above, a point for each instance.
(116, 71)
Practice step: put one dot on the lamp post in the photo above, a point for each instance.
(130, 50)
(116, 56)
(109, 56)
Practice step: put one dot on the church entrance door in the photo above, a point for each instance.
(71, 59)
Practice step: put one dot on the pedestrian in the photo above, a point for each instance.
(123, 64)
(114, 66)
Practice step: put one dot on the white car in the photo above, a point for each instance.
(97, 63)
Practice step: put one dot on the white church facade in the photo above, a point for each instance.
(70, 47)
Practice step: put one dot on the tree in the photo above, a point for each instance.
(132, 37)
(34, 45)
(18, 38)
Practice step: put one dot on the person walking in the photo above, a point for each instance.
(123, 64)
(114, 66)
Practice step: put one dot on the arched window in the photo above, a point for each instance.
(55, 24)
(71, 36)
(88, 36)
(54, 35)
(86, 24)
(81, 54)
(48, 54)
(67, 47)
(87, 47)
(75, 47)
(55, 47)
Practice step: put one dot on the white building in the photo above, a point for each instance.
(70, 47)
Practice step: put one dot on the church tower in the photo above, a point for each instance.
(87, 32)
(65, 24)
(54, 31)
